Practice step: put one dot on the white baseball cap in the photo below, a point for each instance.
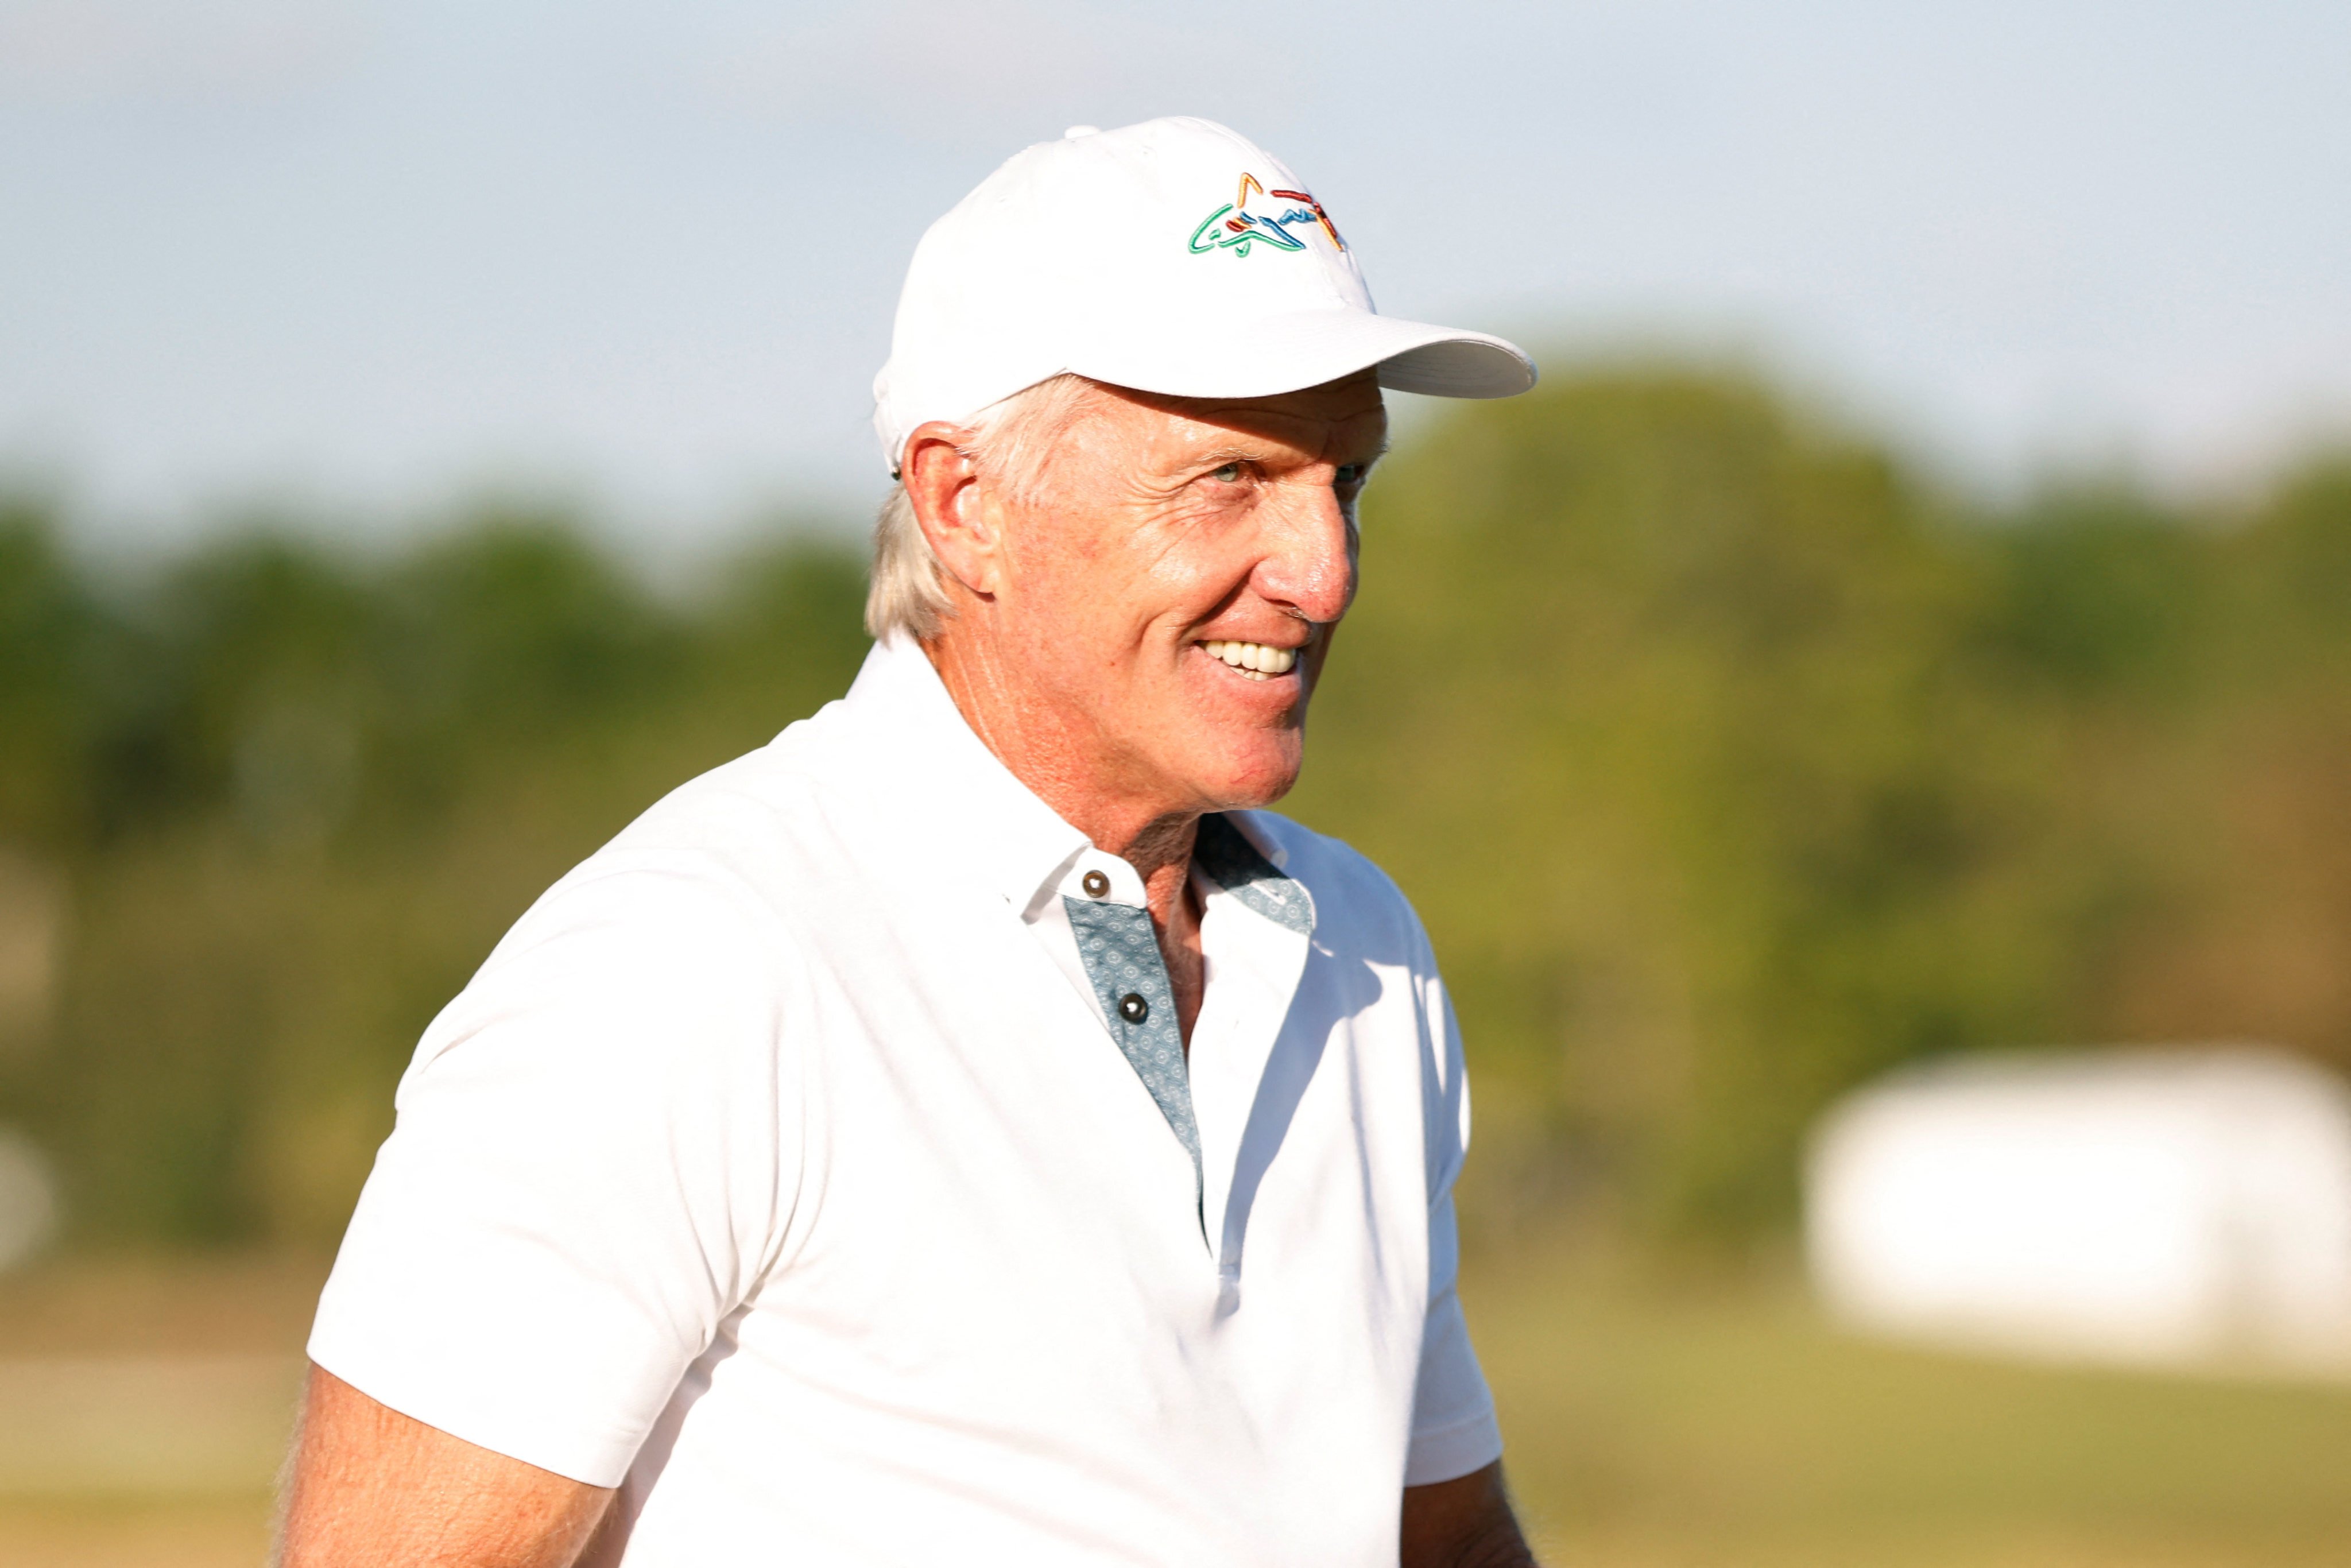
(1173, 256)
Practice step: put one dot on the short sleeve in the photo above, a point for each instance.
(1453, 1430)
(594, 1159)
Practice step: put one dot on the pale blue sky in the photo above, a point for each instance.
(385, 253)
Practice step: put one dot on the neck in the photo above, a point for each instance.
(1067, 767)
(1062, 763)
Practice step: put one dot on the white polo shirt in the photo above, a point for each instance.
(810, 1160)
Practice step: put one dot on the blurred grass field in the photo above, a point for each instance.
(1656, 1420)
(144, 1402)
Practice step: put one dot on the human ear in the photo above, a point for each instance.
(943, 486)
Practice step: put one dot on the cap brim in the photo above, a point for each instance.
(1285, 353)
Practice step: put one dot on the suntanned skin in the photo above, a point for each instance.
(369, 1487)
(1075, 653)
(1074, 648)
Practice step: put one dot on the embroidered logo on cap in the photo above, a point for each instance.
(1236, 227)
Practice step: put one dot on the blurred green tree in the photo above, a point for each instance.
(1728, 763)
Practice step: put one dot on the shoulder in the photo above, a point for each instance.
(765, 799)
(681, 920)
(628, 961)
(724, 852)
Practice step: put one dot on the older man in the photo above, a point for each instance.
(967, 1129)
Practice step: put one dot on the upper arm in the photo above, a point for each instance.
(367, 1486)
(1466, 1522)
(595, 1159)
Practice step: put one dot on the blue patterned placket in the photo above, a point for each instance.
(1121, 954)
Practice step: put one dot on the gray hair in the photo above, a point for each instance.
(1008, 442)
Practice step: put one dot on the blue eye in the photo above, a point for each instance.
(1230, 473)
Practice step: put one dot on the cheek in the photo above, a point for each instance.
(1087, 610)
(1156, 580)
(1063, 577)
(1203, 561)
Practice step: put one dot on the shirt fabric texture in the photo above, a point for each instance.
(790, 1165)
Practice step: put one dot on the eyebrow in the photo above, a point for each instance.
(1231, 454)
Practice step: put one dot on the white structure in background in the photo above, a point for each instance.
(29, 1199)
(2166, 1208)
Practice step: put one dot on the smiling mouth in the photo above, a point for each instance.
(1257, 661)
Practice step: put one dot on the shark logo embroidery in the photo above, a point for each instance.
(1236, 227)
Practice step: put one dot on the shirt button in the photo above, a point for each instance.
(1132, 1008)
(1096, 884)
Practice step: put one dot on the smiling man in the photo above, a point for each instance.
(970, 1128)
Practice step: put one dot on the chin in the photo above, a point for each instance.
(1248, 781)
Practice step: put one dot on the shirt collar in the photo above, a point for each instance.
(947, 775)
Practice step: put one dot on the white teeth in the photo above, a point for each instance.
(1259, 660)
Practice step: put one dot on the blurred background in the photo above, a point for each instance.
(1896, 659)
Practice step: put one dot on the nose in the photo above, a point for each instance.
(1309, 560)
